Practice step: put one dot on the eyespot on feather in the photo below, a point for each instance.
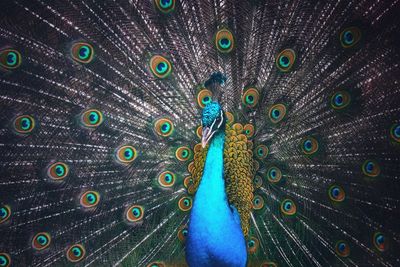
(204, 97)
(165, 6)
(5, 259)
(309, 145)
(380, 242)
(58, 171)
(285, 60)
(160, 66)
(156, 264)
(41, 241)
(164, 127)
(261, 152)
(248, 130)
(371, 168)
(92, 118)
(90, 199)
(182, 233)
(288, 207)
(340, 100)
(250, 97)
(10, 59)
(277, 113)
(5, 213)
(126, 154)
(349, 37)
(82, 52)
(336, 193)
(252, 245)
(185, 203)
(134, 213)
(224, 41)
(342, 248)
(24, 124)
(166, 179)
(76, 253)
(274, 175)
(183, 153)
(258, 202)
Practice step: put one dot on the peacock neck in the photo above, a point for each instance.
(212, 183)
(215, 234)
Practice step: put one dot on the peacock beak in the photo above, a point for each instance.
(207, 134)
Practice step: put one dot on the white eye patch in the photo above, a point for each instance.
(222, 119)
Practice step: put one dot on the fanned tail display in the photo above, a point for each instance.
(109, 111)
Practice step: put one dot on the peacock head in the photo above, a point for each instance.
(212, 121)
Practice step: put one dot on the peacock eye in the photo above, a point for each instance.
(261, 151)
(24, 124)
(188, 181)
(164, 127)
(185, 203)
(309, 145)
(41, 241)
(90, 199)
(76, 253)
(183, 153)
(395, 132)
(257, 181)
(349, 37)
(204, 97)
(249, 130)
(277, 113)
(258, 202)
(224, 41)
(5, 213)
(336, 193)
(285, 60)
(10, 59)
(91, 118)
(165, 6)
(58, 171)
(274, 175)
(166, 179)
(371, 168)
(250, 97)
(252, 245)
(82, 52)
(380, 241)
(342, 248)
(126, 154)
(5, 259)
(134, 213)
(340, 100)
(182, 234)
(288, 207)
(156, 264)
(160, 66)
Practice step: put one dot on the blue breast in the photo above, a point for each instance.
(215, 237)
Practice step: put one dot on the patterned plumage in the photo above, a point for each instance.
(100, 129)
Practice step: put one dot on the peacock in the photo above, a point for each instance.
(162, 133)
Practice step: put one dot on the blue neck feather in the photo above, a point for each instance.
(215, 237)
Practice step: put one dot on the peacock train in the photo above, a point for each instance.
(172, 133)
